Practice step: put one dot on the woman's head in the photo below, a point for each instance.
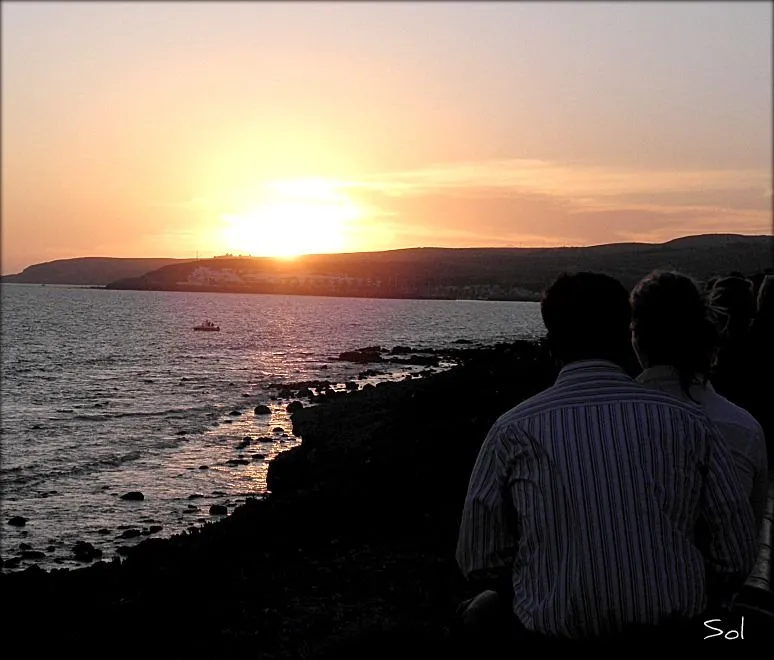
(671, 325)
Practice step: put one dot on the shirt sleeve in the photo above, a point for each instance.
(486, 541)
(732, 543)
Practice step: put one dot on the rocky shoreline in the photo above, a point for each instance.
(352, 554)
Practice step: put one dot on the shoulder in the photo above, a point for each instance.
(727, 411)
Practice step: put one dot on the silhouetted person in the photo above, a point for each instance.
(732, 298)
(761, 351)
(675, 336)
(588, 497)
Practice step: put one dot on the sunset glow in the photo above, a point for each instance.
(295, 217)
(290, 128)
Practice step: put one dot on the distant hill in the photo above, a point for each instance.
(458, 273)
(87, 270)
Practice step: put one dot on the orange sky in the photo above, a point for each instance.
(167, 129)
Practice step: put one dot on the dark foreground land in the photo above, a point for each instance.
(351, 556)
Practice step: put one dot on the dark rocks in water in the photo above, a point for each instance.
(103, 531)
(32, 554)
(278, 429)
(85, 551)
(191, 508)
(368, 373)
(351, 386)
(195, 496)
(153, 529)
(13, 562)
(401, 350)
(204, 467)
(181, 432)
(124, 550)
(305, 393)
(244, 443)
(237, 461)
(262, 410)
(258, 457)
(218, 510)
(51, 548)
(228, 421)
(293, 406)
(25, 546)
(235, 413)
(285, 393)
(130, 533)
(17, 521)
(462, 341)
(362, 355)
(133, 496)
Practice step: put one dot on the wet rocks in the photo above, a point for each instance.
(278, 429)
(32, 554)
(294, 406)
(235, 413)
(245, 442)
(262, 410)
(362, 355)
(85, 551)
(17, 521)
(153, 529)
(218, 510)
(204, 467)
(133, 496)
(130, 533)
(237, 461)
(195, 496)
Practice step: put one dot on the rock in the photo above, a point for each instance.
(130, 533)
(262, 410)
(245, 442)
(235, 413)
(13, 562)
(294, 406)
(204, 467)
(218, 510)
(85, 551)
(195, 496)
(32, 554)
(25, 546)
(153, 529)
(103, 531)
(259, 457)
(237, 461)
(133, 496)
(17, 521)
(124, 550)
(362, 355)
(265, 439)
(278, 429)
(351, 386)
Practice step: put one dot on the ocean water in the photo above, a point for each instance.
(105, 392)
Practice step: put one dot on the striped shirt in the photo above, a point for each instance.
(590, 493)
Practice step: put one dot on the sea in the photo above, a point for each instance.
(106, 392)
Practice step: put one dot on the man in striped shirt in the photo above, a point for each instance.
(607, 504)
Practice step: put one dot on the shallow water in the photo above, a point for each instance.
(105, 392)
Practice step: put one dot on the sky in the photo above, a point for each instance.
(184, 129)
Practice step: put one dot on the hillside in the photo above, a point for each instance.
(87, 270)
(458, 273)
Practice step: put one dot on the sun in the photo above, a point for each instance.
(309, 216)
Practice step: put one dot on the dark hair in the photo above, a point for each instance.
(734, 297)
(587, 317)
(673, 324)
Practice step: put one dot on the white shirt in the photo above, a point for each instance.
(740, 430)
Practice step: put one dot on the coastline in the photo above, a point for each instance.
(351, 555)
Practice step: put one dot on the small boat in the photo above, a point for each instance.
(207, 326)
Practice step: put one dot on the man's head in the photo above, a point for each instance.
(587, 317)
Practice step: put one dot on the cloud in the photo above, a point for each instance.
(520, 201)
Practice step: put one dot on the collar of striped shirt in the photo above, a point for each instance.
(584, 369)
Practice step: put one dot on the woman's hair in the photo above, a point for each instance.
(674, 325)
(733, 297)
